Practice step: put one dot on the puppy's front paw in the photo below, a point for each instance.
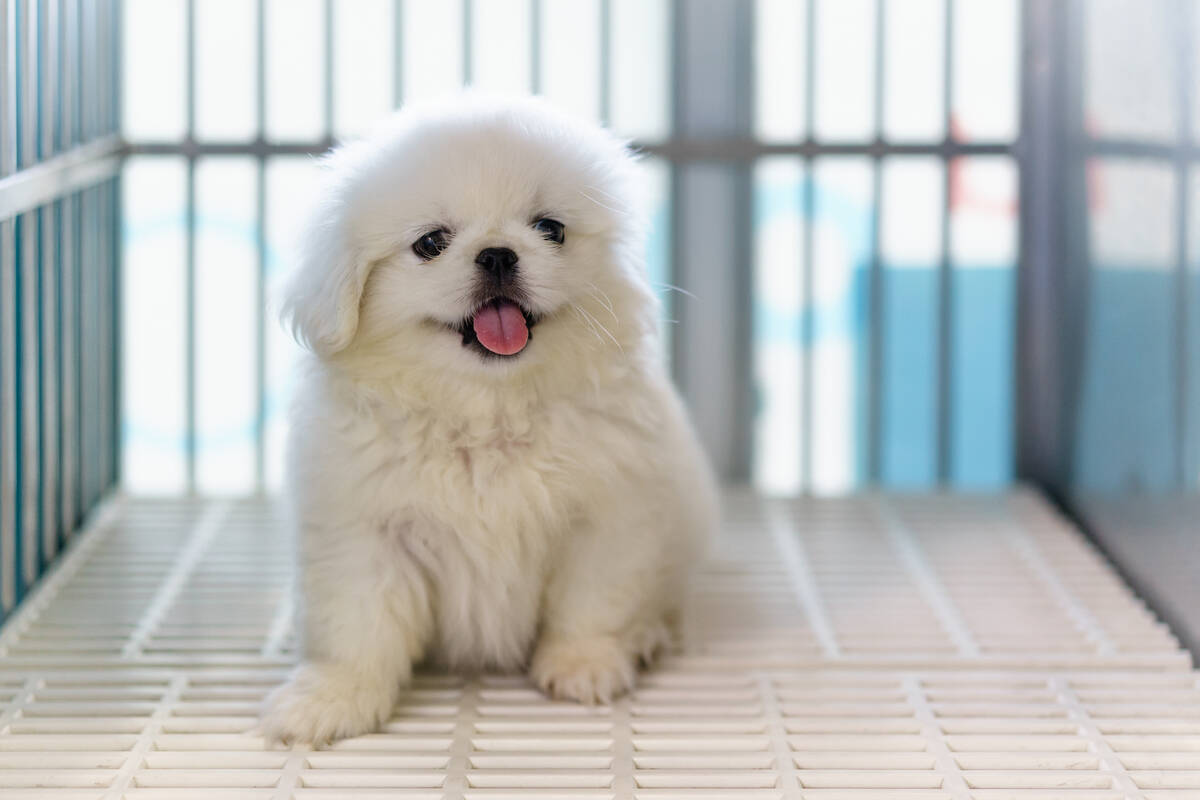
(322, 703)
(588, 670)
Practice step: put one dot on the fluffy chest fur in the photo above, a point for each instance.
(480, 512)
(478, 503)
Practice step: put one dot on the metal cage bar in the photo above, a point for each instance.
(945, 304)
(807, 279)
(875, 357)
(260, 252)
(1181, 46)
(59, 155)
(190, 256)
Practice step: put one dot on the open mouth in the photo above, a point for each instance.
(500, 327)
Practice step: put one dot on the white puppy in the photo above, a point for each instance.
(488, 466)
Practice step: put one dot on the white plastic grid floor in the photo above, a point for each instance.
(874, 647)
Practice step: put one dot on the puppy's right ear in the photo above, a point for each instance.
(321, 301)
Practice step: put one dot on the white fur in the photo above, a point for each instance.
(539, 511)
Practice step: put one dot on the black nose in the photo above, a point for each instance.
(496, 260)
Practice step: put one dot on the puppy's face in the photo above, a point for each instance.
(497, 238)
(490, 239)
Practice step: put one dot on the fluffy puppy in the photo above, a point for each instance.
(488, 467)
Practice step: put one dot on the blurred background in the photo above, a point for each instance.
(900, 244)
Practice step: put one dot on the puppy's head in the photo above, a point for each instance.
(485, 236)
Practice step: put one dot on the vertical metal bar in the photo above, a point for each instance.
(467, 60)
(606, 62)
(808, 322)
(118, 54)
(96, 68)
(260, 218)
(26, 300)
(1182, 51)
(397, 53)
(535, 46)
(8, 377)
(76, 364)
(87, 70)
(48, 283)
(98, 268)
(674, 268)
(114, 291)
(190, 321)
(714, 76)
(103, 263)
(103, 335)
(113, 456)
(112, 332)
(67, 371)
(86, 266)
(327, 108)
(86, 274)
(35, 392)
(945, 355)
(19, 444)
(48, 290)
(61, 352)
(87, 408)
(742, 364)
(82, 242)
(51, 398)
(8, 116)
(1192, 389)
(42, 478)
(92, 268)
(190, 264)
(103, 58)
(1052, 269)
(78, 68)
(875, 386)
(83, 351)
(116, 232)
(111, 75)
(105, 220)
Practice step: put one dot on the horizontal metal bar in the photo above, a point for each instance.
(748, 149)
(1125, 148)
(676, 150)
(258, 148)
(62, 175)
(732, 149)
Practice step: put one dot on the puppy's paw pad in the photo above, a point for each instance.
(320, 704)
(587, 670)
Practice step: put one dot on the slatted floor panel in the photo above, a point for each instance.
(869, 647)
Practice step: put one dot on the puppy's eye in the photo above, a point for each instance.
(552, 229)
(431, 244)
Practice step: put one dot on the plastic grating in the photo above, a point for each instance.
(872, 647)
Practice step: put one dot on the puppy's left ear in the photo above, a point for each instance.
(321, 301)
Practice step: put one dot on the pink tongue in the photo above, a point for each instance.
(500, 327)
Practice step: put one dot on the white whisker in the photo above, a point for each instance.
(674, 288)
(603, 299)
(605, 206)
(579, 313)
(599, 325)
(600, 191)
